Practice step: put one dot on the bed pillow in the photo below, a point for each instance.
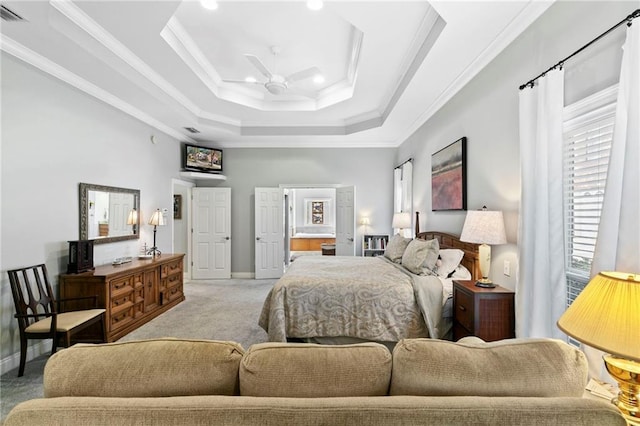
(421, 255)
(460, 273)
(449, 260)
(396, 247)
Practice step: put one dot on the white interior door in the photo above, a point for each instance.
(345, 221)
(211, 233)
(269, 239)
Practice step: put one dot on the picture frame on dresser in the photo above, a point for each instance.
(449, 177)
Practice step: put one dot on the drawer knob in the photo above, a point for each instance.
(462, 308)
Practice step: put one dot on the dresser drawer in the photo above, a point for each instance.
(173, 293)
(171, 281)
(120, 286)
(121, 300)
(122, 317)
(464, 309)
(171, 268)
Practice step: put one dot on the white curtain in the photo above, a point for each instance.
(618, 243)
(403, 192)
(541, 282)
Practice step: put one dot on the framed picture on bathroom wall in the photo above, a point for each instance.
(449, 177)
(316, 211)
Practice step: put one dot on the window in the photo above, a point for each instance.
(588, 132)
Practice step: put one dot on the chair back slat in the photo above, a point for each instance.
(32, 282)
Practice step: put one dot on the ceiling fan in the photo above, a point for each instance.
(278, 84)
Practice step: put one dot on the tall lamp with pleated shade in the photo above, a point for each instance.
(606, 316)
(156, 220)
(402, 221)
(484, 227)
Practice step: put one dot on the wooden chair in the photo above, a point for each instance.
(38, 313)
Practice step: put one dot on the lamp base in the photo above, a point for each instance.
(153, 251)
(485, 283)
(627, 374)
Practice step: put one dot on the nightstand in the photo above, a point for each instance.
(487, 313)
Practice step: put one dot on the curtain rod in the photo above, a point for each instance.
(628, 19)
(403, 163)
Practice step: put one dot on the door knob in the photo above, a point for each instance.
(227, 238)
(350, 239)
(257, 238)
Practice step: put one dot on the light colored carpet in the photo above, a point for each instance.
(219, 310)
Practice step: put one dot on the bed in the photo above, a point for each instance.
(342, 299)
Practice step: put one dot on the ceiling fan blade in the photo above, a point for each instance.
(301, 75)
(259, 65)
(243, 82)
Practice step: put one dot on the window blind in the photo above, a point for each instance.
(586, 159)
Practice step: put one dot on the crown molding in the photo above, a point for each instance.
(526, 17)
(38, 61)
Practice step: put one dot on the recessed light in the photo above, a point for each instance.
(250, 79)
(318, 79)
(315, 4)
(209, 4)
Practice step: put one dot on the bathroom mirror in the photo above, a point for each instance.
(109, 214)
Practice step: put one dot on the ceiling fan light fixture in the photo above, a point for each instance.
(250, 79)
(318, 79)
(209, 4)
(315, 4)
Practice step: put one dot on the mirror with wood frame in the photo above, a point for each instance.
(109, 214)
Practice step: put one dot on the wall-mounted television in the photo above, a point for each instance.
(202, 159)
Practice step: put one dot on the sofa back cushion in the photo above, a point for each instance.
(472, 367)
(146, 368)
(312, 371)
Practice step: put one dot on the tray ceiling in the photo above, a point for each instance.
(386, 66)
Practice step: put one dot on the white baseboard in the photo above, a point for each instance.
(243, 275)
(13, 361)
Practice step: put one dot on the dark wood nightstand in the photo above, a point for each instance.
(487, 313)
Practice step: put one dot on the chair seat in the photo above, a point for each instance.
(65, 322)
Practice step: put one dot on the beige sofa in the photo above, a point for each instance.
(424, 382)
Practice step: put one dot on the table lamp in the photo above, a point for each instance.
(606, 316)
(132, 219)
(484, 227)
(401, 220)
(156, 220)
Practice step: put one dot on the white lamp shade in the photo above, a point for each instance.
(132, 219)
(401, 220)
(156, 218)
(365, 221)
(484, 227)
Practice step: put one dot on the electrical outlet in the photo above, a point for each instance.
(507, 268)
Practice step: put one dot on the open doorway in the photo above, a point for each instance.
(311, 221)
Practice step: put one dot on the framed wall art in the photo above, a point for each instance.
(177, 206)
(449, 177)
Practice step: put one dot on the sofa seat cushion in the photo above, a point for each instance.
(311, 371)
(512, 367)
(371, 411)
(145, 368)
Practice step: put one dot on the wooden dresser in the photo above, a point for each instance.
(132, 293)
(487, 313)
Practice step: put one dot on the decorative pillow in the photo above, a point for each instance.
(450, 259)
(396, 247)
(420, 255)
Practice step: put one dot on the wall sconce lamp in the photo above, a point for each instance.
(365, 222)
(132, 220)
(605, 315)
(156, 220)
(484, 227)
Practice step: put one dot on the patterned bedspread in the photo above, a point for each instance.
(363, 297)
